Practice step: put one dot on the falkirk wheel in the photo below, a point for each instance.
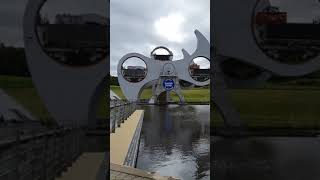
(161, 72)
(252, 44)
(69, 75)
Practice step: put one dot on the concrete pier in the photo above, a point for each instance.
(125, 141)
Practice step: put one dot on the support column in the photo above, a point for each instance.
(220, 97)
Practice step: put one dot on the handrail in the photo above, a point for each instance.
(29, 150)
(120, 110)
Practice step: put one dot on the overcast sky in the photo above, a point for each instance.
(140, 26)
(11, 15)
(54, 7)
(299, 10)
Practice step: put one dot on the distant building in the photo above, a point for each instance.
(75, 39)
(282, 39)
(134, 73)
(274, 26)
(271, 15)
(75, 31)
(199, 74)
(136, 67)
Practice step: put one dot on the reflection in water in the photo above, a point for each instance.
(175, 141)
(266, 158)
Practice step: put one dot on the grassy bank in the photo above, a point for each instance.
(190, 95)
(24, 92)
(275, 107)
(282, 108)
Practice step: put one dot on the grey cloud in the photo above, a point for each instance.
(11, 20)
(11, 15)
(52, 7)
(132, 26)
(132, 21)
(299, 11)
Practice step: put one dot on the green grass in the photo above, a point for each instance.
(23, 91)
(190, 95)
(276, 108)
(285, 107)
(197, 95)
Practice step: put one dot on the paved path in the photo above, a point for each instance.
(86, 167)
(122, 138)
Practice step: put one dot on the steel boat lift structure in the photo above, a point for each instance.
(159, 71)
(234, 38)
(70, 93)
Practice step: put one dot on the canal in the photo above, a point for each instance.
(175, 141)
(266, 158)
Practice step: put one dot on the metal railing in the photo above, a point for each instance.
(29, 150)
(120, 110)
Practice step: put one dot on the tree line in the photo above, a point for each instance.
(13, 61)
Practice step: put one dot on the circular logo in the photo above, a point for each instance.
(168, 84)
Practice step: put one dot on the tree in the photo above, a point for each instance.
(114, 81)
(13, 61)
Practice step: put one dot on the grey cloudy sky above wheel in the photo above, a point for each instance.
(138, 13)
(140, 26)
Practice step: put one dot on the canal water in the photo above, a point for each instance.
(265, 158)
(175, 141)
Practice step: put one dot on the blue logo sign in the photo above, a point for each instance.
(168, 84)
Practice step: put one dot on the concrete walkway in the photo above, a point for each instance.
(86, 167)
(120, 140)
